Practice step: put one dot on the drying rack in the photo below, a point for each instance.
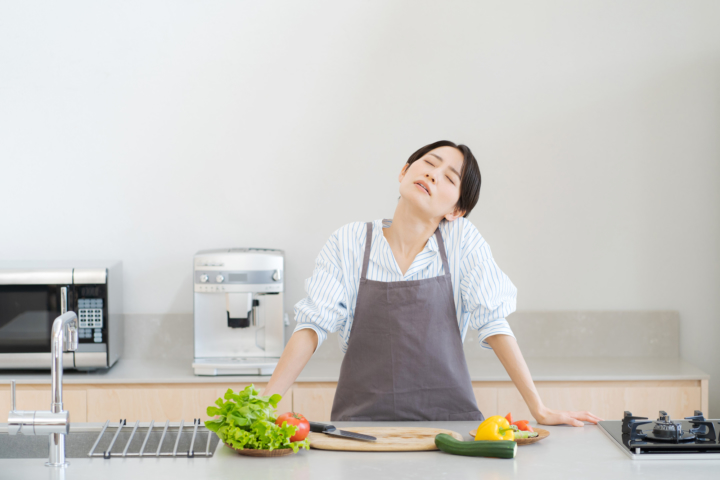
(197, 430)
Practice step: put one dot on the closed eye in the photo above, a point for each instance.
(431, 164)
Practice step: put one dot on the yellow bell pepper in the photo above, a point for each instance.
(495, 428)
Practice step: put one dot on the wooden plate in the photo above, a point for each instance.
(251, 452)
(542, 433)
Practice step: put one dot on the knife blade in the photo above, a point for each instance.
(331, 430)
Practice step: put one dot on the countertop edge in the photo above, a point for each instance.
(169, 372)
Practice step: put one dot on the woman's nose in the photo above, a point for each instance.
(432, 179)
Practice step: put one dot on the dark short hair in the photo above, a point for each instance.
(469, 176)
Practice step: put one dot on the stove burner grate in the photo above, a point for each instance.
(704, 429)
(665, 438)
(666, 430)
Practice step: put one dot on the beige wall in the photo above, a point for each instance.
(146, 131)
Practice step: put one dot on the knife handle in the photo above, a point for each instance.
(321, 427)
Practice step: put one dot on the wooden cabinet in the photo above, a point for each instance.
(608, 400)
(98, 403)
(175, 402)
(314, 400)
(37, 397)
(172, 402)
(486, 397)
(605, 399)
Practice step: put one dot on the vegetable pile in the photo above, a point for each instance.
(495, 437)
(246, 420)
(521, 424)
(521, 428)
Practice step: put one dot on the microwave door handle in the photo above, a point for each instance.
(63, 300)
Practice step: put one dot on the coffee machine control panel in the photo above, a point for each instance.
(238, 270)
(256, 277)
(229, 281)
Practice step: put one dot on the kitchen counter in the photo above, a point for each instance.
(131, 371)
(567, 453)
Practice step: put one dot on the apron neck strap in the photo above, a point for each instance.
(441, 249)
(368, 245)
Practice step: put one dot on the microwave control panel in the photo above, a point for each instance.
(90, 319)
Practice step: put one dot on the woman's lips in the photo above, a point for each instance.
(422, 187)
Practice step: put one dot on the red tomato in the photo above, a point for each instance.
(298, 420)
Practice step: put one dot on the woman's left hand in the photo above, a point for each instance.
(546, 416)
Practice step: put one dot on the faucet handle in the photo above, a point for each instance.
(71, 338)
(18, 419)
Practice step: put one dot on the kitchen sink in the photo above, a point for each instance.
(82, 437)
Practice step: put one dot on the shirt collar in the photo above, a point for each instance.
(380, 248)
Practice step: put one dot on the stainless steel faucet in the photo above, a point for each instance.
(56, 421)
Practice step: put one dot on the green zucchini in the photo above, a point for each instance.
(476, 448)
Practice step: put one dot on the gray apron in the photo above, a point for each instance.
(405, 358)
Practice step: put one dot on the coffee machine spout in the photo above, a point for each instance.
(239, 309)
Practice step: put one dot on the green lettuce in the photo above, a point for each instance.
(247, 420)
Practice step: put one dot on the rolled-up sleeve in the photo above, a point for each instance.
(487, 293)
(325, 307)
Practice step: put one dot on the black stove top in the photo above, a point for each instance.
(641, 436)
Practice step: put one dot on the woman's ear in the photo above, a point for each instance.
(402, 172)
(454, 215)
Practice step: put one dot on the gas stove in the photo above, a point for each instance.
(643, 439)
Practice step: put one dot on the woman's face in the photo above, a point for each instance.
(432, 182)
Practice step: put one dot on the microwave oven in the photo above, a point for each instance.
(32, 297)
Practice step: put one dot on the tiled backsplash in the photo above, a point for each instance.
(540, 334)
(597, 333)
(159, 336)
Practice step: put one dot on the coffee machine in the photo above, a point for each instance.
(238, 311)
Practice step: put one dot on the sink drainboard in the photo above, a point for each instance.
(164, 441)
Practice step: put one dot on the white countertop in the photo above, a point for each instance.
(324, 370)
(568, 452)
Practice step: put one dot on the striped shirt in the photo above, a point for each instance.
(483, 294)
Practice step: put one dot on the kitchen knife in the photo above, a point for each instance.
(331, 430)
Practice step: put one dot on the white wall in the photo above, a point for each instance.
(148, 130)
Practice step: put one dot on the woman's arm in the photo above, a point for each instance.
(322, 311)
(297, 352)
(507, 350)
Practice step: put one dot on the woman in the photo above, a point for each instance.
(403, 294)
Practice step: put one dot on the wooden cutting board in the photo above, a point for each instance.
(389, 439)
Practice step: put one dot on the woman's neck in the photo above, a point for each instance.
(408, 234)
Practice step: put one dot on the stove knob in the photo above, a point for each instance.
(277, 275)
(219, 279)
(204, 278)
